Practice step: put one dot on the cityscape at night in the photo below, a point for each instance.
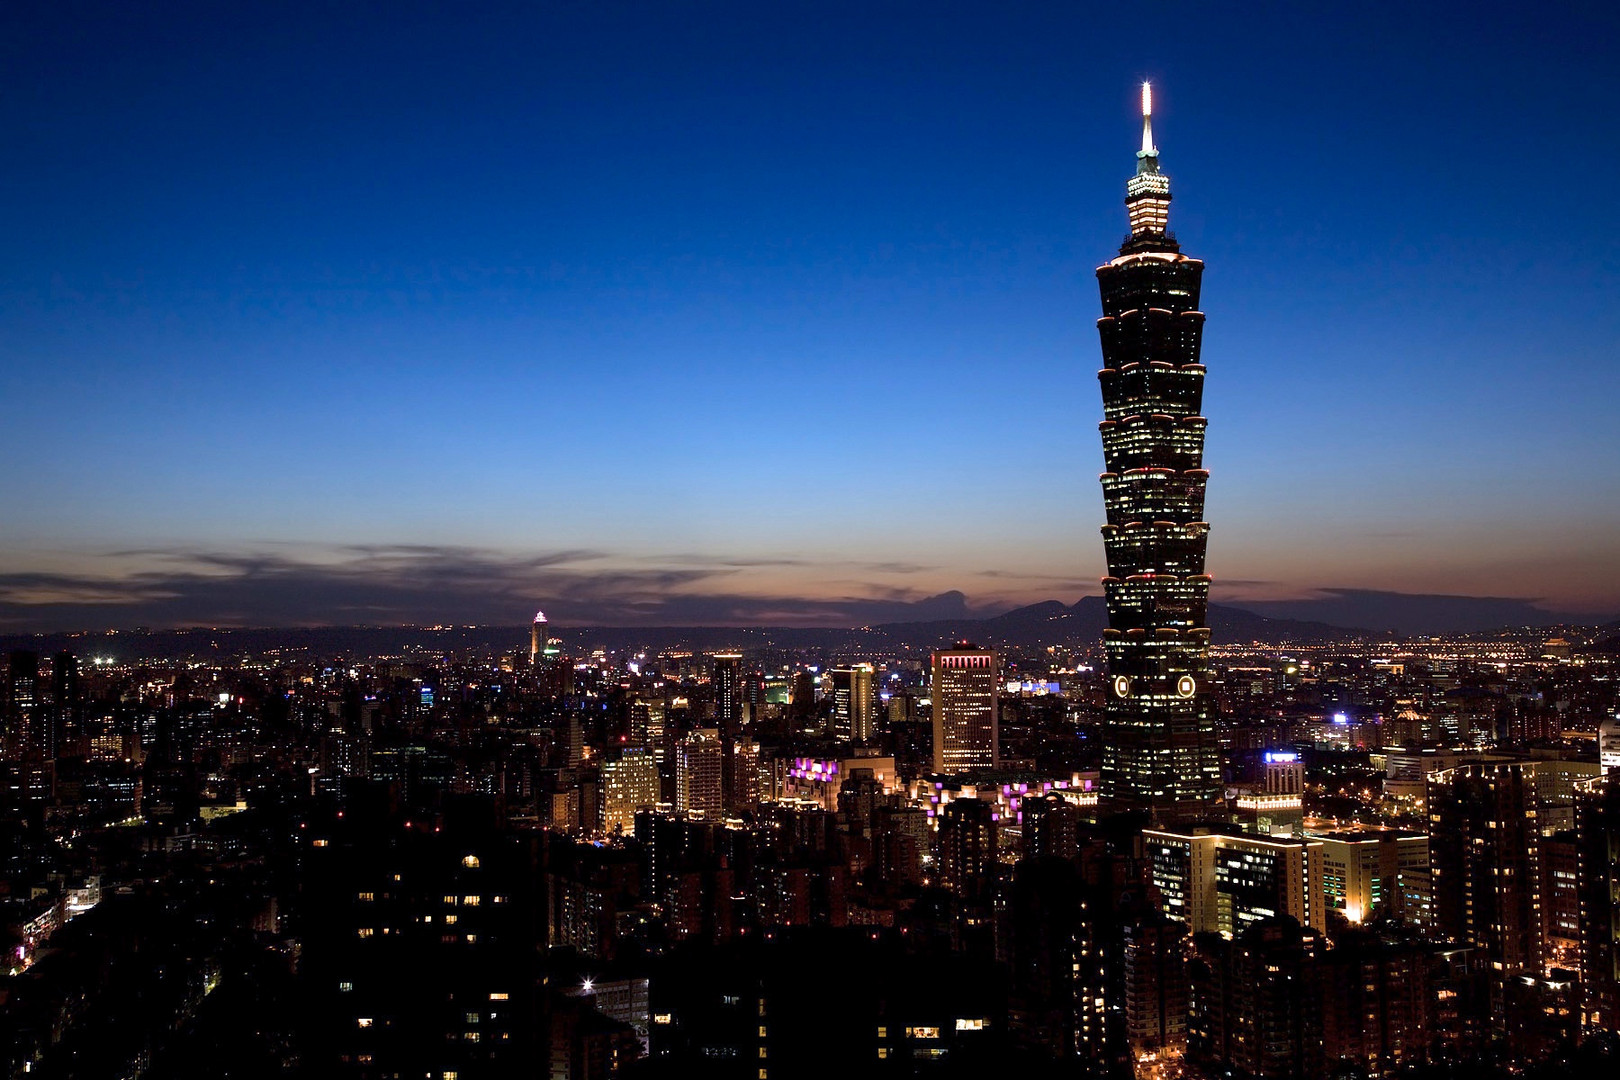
(581, 541)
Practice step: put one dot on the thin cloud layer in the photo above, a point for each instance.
(421, 584)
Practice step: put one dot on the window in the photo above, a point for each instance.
(364, 1021)
(365, 931)
(470, 901)
(365, 897)
(498, 997)
(470, 862)
(345, 987)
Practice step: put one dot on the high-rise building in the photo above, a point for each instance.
(741, 774)
(537, 639)
(728, 692)
(965, 707)
(1226, 882)
(854, 703)
(1160, 751)
(697, 773)
(67, 705)
(21, 708)
(1485, 864)
(1485, 857)
(647, 727)
(1257, 1001)
(967, 847)
(1597, 839)
(629, 784)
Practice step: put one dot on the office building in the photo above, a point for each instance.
(1363, 870)
(698, 787)
(1225, 882)
(966, 705)
(1160, 752)
(22, 715)
(629, 784)
(854, 703)
(727, 687)
(538, 639)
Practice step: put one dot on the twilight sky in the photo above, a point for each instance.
(783, 312)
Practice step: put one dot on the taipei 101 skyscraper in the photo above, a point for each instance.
(1159, 752)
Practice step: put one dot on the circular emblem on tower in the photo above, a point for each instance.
(1185, 686)
(1122, 686)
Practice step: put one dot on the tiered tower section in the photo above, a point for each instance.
(1159, 751)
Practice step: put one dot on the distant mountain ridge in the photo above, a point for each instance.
(1048, 623)
(1052, 621)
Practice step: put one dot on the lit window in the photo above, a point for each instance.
(364, 1021)
(365, 897)
(365, 931)
(470, 901)
(498, 997)
(345, 987)
(470, 862)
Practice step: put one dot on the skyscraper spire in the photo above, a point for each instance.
(1147, 194)
(1147, 123)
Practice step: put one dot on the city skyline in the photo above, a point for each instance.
(411, 324)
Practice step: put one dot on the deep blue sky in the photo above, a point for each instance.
(692, 311)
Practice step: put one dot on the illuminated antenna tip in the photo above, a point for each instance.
(1147, 99)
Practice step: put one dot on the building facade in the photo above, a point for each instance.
(854, 703)
(966, 707)
(1160, 752)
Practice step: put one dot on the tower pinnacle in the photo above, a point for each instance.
(1147, 120)
(1147, 194)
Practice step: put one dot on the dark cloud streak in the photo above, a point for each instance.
(425, 585)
